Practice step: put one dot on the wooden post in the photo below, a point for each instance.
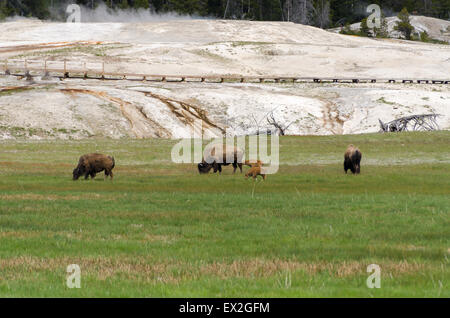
(27, 72)
(46, 73)
(103, 71)
(66, 74)
(85, 71)
(7, 72)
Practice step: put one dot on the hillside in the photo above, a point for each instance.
(84, 108)
(436, 28)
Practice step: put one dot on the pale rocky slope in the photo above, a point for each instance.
(83, 108)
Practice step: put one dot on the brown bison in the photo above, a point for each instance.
(352, 159)
(93, 163)
(255, 171)
(216, 156)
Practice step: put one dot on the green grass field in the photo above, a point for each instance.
(161, 230)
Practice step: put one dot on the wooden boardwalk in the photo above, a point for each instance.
(27, 71)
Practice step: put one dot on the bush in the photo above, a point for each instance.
(347, 30)
(364, 29)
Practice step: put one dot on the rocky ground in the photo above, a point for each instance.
(84, 108)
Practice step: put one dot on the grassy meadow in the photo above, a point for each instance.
(162, 230)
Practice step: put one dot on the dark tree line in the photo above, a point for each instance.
(321, 13)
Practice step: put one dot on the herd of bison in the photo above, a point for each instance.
(214, 158)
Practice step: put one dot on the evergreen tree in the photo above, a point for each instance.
(124, 4)
(141, 4)
(404, 25)
(382, 31)
(3, 10)
(364, 29)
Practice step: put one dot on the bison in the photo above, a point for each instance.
(93, 163)
(255, 171)
(220, 155)
(352, 159)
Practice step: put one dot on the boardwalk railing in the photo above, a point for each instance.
(47, 69)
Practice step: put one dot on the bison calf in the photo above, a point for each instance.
(93, 163)
(352, 159)
(251, 163)
(255, 171)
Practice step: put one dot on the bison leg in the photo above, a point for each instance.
(234, 167)
(219, 167)
(86, 175)
(347, 166)
(92, 175)
(240, 166)
(108, 173)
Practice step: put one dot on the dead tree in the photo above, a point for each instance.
(426, 122)
(279, 127)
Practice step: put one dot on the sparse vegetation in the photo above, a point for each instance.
(384, 101)
(99, 50)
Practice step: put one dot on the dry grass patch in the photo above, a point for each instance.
(172, 272)
(53, 197)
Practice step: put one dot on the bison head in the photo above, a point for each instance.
(77, 172)
(204, 167)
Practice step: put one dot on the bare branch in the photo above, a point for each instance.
(418, 122)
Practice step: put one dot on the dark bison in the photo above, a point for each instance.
(352, 159)
(93, 163)
(216, 156)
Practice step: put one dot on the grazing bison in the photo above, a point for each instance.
(91, 164)
(220, 155)
(255, 171)
(352, 159)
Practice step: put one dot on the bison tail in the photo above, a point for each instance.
(113, 162)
